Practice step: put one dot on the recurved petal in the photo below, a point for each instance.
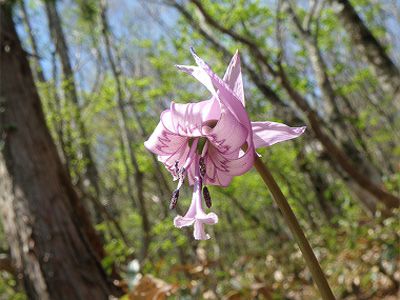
(228, 134)
(225, 93)
(200, 75)
(163, 142)
(243, 163)
(233, 77)
(187, 119)
(269, 133)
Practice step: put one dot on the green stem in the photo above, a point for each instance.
(296, 230)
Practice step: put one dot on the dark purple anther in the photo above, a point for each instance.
(207, 197)
(181, 172)
(174, 199)
(177, 167)
(202, 166)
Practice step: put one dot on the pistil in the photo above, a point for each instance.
(195, 215)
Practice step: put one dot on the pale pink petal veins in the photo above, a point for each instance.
(269, 133)
(228, 134)
(164, 142)
(188, 119)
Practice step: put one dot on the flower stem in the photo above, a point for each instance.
(296, 230)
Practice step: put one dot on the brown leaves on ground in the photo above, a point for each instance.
(151, 288)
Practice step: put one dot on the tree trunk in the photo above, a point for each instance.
(343, 131)
(53, 244)
(71, 94)
(126, 134)
(55, 104)
(336, 153)
(320, 185)
(371, 50)
(38, 70)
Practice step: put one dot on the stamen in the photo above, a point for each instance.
(176, 167)
(202, 166)
(205, 148)
(174, 199)
(207, 197)
(181, 172)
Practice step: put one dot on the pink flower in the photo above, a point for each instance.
(213, 140)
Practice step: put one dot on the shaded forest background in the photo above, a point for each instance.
(104, 71)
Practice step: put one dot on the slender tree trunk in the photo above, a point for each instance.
(336, 153)
(126, 134)
(71, 94)
(53, 244)
(249, 215)
(38, 70)
(370, 48)
(335, 112)
(60, 125)
(165, 188)
(320, 186)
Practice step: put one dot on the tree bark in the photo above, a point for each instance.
(55, 104)
(370, 48)
(53, 244)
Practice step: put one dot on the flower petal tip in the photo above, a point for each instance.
(180, 221)
(202, 238)
(301, 130)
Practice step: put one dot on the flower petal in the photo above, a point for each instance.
(269, 133)
(164, 142)
(225, 93)
(170, 160)
(210, 218)
(228, 135)
(187, 119)
(200, 75)
(199, 233)
(233, 77)
(180, 221)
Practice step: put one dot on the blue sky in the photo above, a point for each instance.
(129, 20)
